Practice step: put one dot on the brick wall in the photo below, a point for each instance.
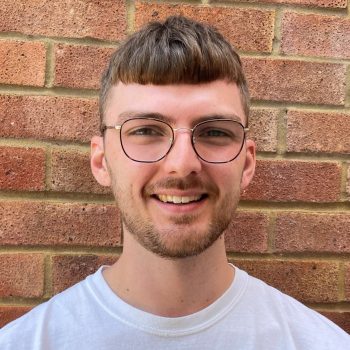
(57, 224)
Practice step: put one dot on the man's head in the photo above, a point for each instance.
(178, 51)
(160, 86)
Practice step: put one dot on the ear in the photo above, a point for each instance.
(249, 165)
(98, 162)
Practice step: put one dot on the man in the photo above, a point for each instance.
(174, 115)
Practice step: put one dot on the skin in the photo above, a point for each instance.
(174, 261)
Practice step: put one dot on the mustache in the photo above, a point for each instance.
(180, 184)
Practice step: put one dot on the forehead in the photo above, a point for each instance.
(181, 104)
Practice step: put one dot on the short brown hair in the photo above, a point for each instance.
(180, 50)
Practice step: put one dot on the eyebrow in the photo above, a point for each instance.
(124, 116)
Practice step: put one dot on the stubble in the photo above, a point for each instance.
(179, 238)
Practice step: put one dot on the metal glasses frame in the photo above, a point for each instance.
(173, 130)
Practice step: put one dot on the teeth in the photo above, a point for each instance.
(177, 199)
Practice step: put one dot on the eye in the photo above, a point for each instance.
(146, 131)
(215, 133)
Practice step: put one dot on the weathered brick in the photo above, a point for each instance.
(22, 275)
(10, 313)
(70, 172)
(342, 319)
(304, 232)
(295, 81)
(104, 19)
(347, 281)
(318, 132)
(315, 35)
(68, 270)
(295, 181)
(22, 63)
(311, 3)
(263, 129)
(247, 232)
(80, 66)
(308, 281)
(22, 169)
(60, 224)
(46, 117)
(246, 29)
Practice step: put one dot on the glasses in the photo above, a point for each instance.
(149, 140)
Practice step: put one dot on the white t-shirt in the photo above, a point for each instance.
(249, 315)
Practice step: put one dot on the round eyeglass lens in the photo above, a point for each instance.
(146, 140)
(218, 141)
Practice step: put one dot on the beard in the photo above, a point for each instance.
(179, 238)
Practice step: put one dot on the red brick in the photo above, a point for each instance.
(307, 281)
(61, 224)
(302, 232)
(22, 169)
(10, 313)
(22, 63)
(46, 117)
(101, 19)
(312, 3)
(68, 270)
(342, 319)
(347, 281)
(315, 35)
(248, 232)
(263, 129)
(318, 132)
(22, 275)
(80, 66)
(246, 29)
(295, 81)
(71, 173)
(295, 181)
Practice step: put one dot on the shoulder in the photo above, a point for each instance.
(37, 328)
(306, 328)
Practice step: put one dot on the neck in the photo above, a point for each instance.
(169, 288)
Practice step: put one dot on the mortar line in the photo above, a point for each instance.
(307, 257)
(48, 276)
(55, 39)
(49, 74)
(300, 9)
(344, 181)
(282, 132)
(130, 16)
(271, 232)
(341, 281)
(347, 87)
(48, 168)
(276, 44)
(107, 199)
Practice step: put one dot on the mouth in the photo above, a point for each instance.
(165, 198)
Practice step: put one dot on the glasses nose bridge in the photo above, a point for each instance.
(183, 129)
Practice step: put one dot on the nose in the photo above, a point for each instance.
(182, 160)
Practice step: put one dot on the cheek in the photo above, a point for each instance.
(133, 177)
(227, 176)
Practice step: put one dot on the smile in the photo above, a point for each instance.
(179, 199)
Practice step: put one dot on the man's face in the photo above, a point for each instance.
(212, 191)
